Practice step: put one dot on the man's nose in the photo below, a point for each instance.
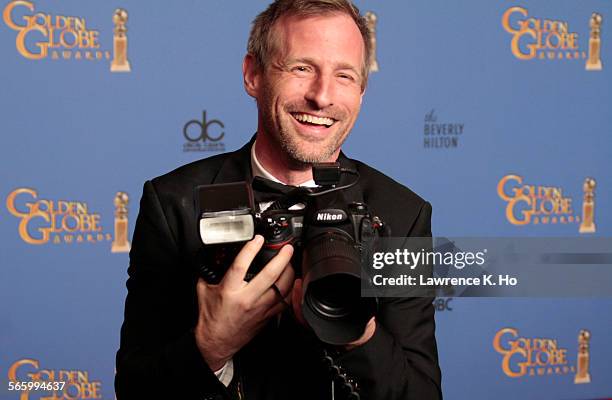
(320, 92)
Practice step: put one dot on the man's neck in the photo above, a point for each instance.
(278, 164)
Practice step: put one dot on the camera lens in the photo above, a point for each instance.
(329, 297)
(333, 305)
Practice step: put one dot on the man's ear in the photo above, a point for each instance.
(363, 90)
(251, 74)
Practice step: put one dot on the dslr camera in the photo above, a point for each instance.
(332, 230)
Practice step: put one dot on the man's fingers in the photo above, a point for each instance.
(271, 298)
(296, 302)
(234, 278)
(280, 291)
(270, 273)
(284, 283)
(201, 290)
(277, 308)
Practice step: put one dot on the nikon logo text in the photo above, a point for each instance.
(327, 216)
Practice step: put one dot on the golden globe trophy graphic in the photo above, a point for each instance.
(588, 207)
(582, 373)
(120, 62)
(594, 61)
(121, 243)
(371, 21)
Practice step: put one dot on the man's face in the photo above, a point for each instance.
(310, 92)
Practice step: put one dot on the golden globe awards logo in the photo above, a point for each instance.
(551, 39)
(541, 356)
(543, 204)
(42, 35)
(27, 377)
(530, 356)
(44, 221)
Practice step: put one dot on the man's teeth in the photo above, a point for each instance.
(311, 119)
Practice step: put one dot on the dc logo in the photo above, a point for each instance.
(195, 131)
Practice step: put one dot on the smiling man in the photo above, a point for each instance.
(306, 67)
(308, 88)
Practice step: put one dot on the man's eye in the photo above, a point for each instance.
(347, 77)
(301, 68)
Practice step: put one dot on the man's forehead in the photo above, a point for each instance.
(331, 34)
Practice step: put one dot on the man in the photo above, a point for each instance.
(306, 67)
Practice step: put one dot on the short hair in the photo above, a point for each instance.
(261, 43)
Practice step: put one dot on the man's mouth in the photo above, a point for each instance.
(308, 119)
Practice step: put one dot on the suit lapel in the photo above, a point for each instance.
(237, 166)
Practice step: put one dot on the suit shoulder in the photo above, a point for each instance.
(381, 188)
(402, 209)
(201, 172)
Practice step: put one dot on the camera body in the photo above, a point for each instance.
(333, 234)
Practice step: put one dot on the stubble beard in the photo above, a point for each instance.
(307, 152)
(301, 152)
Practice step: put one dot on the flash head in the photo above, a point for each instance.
(225, 212)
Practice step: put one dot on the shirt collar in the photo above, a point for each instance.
(259, 170)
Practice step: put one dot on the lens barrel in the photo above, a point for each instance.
(332, 302)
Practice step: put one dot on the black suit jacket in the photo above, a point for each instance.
(158, 357)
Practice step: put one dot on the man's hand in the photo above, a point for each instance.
(296, 302)
(234, 311)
